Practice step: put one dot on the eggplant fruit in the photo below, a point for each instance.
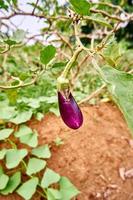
(69, 110)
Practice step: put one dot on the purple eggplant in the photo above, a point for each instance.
(69, 110)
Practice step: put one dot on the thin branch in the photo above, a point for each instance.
(70, 63)
(93, 94)
(35, 7)
(32, 14)
(65, 41)
(21, 84)
(5, 50)
(104, 13)
(79, 67)
(119, 8)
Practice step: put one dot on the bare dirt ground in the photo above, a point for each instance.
(96, 157)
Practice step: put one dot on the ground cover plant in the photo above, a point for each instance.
(83, 53)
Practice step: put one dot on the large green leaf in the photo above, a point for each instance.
(3, 181)
(23, 130)
(14, 157)
(6, 112)
(13, 183)
(67, 189)
(27, 136)
(49, 178)
(120, 85)
(21, 117)
(81, 7)
(35, 165)
(5, 133)
(28, 188)
(47, 54)
(30, 139)
(42, 151)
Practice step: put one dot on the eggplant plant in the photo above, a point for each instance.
(79, 51)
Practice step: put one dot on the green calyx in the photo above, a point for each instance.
(62, 83)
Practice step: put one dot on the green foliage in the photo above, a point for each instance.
(35, 165)
(30, 139)
(28, 188)
(81, 7)
(3, 5)
(3, 181)
(2, 153)
(14, 157)
(47, 54)
(21, 117)
(53, 194)
(42, 151)
(5, 133)
(67, 189)
(58, 141)
(12, 184)
(49, 178)
(21, 63)
(120, 86)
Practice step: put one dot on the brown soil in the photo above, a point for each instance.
(91, 156)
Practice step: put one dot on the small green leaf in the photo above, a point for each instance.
(58, 141)
(12, 184)
(30, 139)
(3, 181)
(35, 165)
(2, 153)
(49, 178)
(5, 133)
(67, 189)
(6, 112)
(53, 194)
(42, 152)
(28, 188)
(21, 117)
(39, 116)
(10, 42)
(3, 5)
(14, 157)
(59, 64)
(23, 130)
(47, 54)
(81, 7)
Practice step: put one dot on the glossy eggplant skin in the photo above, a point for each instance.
(70, 111)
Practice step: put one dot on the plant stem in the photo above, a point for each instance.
(43, 195)
(70, 63)
(24, 164)
(93, 94)
(12, 143)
